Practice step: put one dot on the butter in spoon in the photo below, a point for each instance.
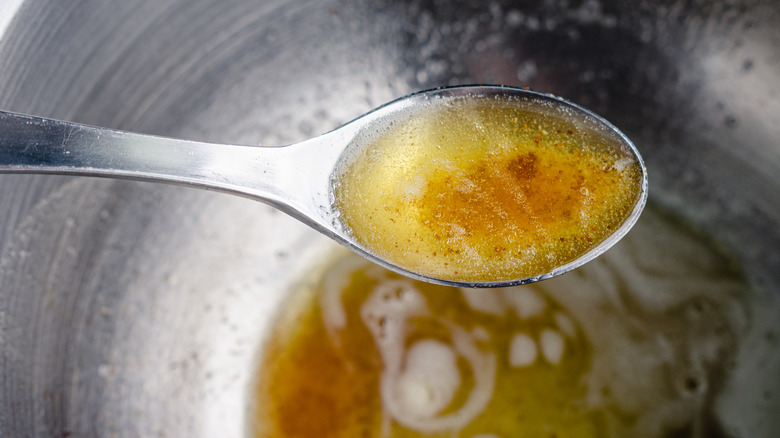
(478, 186)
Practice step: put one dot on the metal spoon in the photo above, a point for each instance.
(297, 179)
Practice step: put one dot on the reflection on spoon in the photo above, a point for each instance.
(477, 186)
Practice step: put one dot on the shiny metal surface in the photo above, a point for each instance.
(134, 309)
(272, 175)
(38, 145)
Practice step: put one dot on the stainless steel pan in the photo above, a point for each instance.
(133, 309)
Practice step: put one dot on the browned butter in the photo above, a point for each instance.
(485, 189)
(638, 343)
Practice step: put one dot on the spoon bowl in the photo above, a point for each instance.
(297, 179)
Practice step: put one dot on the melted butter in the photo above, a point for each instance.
(487, 189)
(324, 383)
(636, 343)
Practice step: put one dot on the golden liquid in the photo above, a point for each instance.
(487, 189)
(649, 330)
(313, 388)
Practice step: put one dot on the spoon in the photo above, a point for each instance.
(301, 179)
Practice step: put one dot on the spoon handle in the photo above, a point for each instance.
(275, 175)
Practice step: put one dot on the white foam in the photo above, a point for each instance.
(522, 350)
(552, 345)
